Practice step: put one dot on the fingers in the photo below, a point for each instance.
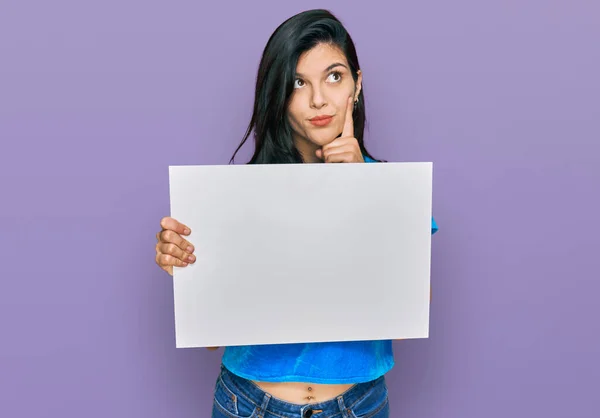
(173, 250)
(170, 223)
(167, 260)
(346, 152)
(341, 157)
(346, 139)
(169, 236)
(348, 121)
(339, 142)
(319, 153)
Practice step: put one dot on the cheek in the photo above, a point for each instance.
(342, 103)
(294, 114)
(295, 123)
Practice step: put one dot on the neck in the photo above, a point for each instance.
(307, 150)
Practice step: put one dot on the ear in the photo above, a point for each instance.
(358, 85)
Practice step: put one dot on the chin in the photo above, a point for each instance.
(319, 143)
(323, 139)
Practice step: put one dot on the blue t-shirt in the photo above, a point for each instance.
(326, 362)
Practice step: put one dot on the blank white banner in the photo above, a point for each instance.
(290, 253)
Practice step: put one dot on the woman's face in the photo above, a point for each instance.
(322, 87)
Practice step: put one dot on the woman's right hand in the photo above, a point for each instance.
(171, 248)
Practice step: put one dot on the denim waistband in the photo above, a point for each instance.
(279, 407)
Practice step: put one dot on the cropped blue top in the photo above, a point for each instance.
(325, 362)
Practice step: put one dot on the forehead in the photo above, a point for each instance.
(318, 58)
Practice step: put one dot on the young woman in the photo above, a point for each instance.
(309, 108)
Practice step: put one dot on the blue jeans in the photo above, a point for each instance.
(236, 397)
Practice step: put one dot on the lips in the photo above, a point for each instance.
(321, 120)
(322, 117)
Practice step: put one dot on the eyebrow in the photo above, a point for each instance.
(332, 66)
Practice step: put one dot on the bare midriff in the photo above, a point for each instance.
(303, 393)
(300, 393)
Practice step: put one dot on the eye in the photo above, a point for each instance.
(296, 86)
(338, 76)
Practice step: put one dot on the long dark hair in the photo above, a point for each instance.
(275, 84)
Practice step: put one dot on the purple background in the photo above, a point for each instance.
(96, 100)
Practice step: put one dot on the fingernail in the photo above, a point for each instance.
(190, 258)
(184, 264)
(190, 249)
(186, 231)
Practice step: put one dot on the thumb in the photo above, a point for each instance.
(319, 153)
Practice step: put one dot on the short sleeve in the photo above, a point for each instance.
(368, 159)
(434, 227)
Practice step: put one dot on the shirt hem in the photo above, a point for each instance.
(311, 379)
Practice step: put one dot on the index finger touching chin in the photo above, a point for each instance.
(348, 121)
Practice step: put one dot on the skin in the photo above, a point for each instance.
(324, 86)
(319, 89)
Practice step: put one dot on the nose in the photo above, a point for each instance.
(317, 99)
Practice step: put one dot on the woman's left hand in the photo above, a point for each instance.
(344, 149)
